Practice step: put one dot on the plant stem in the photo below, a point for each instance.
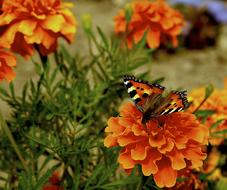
(201, 103)
(12, 141)
(142, 182)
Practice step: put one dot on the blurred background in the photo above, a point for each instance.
(200, 59)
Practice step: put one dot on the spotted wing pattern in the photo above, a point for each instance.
(177, 101)
(140, 91)
(149, 100)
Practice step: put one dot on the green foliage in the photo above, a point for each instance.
(204, 114)
(61, 117)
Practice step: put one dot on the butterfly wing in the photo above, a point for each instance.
(142, 92)
(176, 101)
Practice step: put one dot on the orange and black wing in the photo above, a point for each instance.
(176, 101)
(140, 91)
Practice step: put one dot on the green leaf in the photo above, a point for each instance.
(24, 92)
(221, 184)
(182, 179)
(121, 182)
(204, 113)
(209, 90)
(99, 169)
(222, 132)
(203, 176)
(128, 12)
(38, 68)
(45, 162)
(26, 180)
(53, 76)
(142, 42)
(86, 21)
(42, 180)
(216, 124)
(159, 80)
(4, 92)
(103, 37)
(12, 91)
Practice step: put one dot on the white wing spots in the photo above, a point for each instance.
(126, 82)
(171, 110)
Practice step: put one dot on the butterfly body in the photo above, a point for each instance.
(149, 98)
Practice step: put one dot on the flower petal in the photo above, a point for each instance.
(166, 23)
(167, 147)
(53, 22)
(139, 152)
(177, 159)
(110, 141)
(27, 27)
(195, 155)
(113, 126)
(157, 140)
(166, 175)
(153, 38)
(128, 139)
(125, 159)
(149, 166)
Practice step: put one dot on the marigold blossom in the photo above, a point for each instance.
(217, 102)
(54, 181)
(212, 161)
(7, 62)
(26, 23)
(165, 150)
(190, 181)
(160, 22)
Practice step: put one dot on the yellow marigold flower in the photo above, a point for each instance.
(25, 23)
(217, 102)
(7, 62)
(165, 151)
(160, 22)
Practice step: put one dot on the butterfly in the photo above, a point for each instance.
(150, 101)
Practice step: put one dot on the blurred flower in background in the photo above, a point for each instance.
(189, 180)
(157, 20)
(217, 102)
(54, 182)
(7, 62)
(166, 150)
(26, 25)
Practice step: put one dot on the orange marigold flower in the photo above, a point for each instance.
(30, 23)
(190, 181)
(54, 182)
(165, 150)
(217, 102)
(160, 22)
(212, 161)
(7, 62)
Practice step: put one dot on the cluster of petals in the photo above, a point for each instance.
(7, 62)
(216, 102)
(190, 181)
(157, 20)
(161, 151)
(29, 24)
